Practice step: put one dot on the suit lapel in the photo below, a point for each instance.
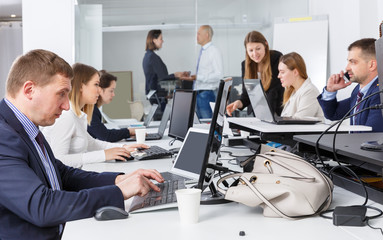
(364, 104)
(10, 118)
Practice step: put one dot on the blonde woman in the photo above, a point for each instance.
(68, 137)
(300, 97)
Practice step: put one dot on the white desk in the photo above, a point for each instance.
(216, 221)
(260, 126)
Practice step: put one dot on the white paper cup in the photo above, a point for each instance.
(188, 201)
(140, 135)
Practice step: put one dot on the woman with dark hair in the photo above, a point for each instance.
(300, 97)
(155, 69)
(260, 63)
(97, 128)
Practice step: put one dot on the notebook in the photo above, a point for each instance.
(161, 129)
(261, 106)
(150, 115)
(187, 167)
(121, 123)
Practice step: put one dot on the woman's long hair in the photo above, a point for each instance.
(82, 75)
(293, 61)
(251, 67)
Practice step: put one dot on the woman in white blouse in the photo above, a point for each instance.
(68, 137)
(300, 96)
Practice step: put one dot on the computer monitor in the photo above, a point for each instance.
(214, 145)
(181, 118)
(377, 144)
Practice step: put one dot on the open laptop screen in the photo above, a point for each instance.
(191, 156)
(258, 100)
(150, 116)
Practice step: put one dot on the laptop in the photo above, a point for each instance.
(150, 115)
(262, 109)
(161, 129)
(187, 168)
(121, 123)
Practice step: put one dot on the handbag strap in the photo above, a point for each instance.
(287, 166)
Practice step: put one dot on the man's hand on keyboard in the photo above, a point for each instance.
(134, 147)
(138, 182)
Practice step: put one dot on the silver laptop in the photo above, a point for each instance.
(187, 168)
(150, 115)
(161, 129)
(262, 109)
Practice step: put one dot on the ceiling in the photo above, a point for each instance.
(8, 7)
(135, 12)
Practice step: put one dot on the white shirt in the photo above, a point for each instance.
(210, 68)
(71, 143)
(304, 103)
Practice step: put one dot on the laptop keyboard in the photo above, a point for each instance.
(157, 200)
(168, 176)
(153, 152)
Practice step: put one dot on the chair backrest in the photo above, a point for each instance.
(136, 110)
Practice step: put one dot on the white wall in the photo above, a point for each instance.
(49, 25)
(123, 51)
(11, 46)
(88, 35)
(349, 20)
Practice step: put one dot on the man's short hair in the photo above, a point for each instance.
(367, 45)
(209, 31)
(37, 65)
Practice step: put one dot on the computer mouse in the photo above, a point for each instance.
(126, 158)
(110, 213)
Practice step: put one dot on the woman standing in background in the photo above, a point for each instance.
(155, 69)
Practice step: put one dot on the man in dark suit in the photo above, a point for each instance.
(38, 193)
(362, 69)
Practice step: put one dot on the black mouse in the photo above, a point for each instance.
(126, 158)
(110, 213)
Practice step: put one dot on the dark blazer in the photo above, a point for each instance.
(29, 208)
(275, 92)
(98, 130)
(334, 110)
(155, 70)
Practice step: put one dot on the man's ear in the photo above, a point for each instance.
(29, 88)
(373, 65)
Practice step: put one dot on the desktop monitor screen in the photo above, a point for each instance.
(215, 133)
(181, 118)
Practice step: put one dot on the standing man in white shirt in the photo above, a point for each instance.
(208, 72)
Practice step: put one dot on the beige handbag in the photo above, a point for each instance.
(283, 184)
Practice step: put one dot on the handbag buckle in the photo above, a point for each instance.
(266, 163)
(253, 179)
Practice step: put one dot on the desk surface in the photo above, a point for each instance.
(216, 221)
(265, 127)
(347, 145)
